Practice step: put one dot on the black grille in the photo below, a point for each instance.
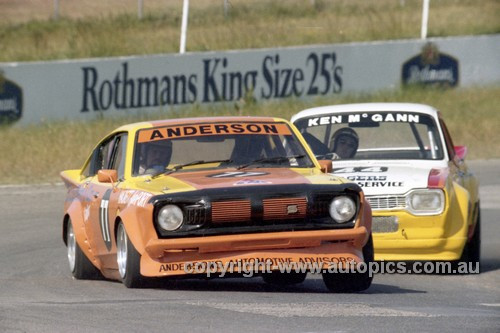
(321, 206)
(195, 214)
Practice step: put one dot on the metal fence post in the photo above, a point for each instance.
(185, 12)
(56, 9)
(425, 19)
(226, 8)
(140, 6)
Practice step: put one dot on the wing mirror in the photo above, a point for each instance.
(107, 176)
(461, 152)
(326, 166)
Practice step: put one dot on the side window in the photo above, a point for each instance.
(118, 156)
(91, 168)
(104, 156)
(447, 139)
(86, 169)
(101, 157)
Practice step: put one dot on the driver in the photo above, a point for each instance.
(344, 143)
(156, 157)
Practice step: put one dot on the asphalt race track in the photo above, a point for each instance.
(37, 293)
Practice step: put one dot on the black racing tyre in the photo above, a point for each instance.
(472, 249)
(80, 266)
(284, 279)
(128, 260)
(352, 282)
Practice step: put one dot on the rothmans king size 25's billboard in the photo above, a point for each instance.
(32, 92)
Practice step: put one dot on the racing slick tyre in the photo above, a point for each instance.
(128, 260)
(80, 266)
(472, 249)
(284, 279)
(352, 282)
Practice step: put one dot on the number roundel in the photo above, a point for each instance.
(104, 219)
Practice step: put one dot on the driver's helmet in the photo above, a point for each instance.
(156, 156)
(344, 132)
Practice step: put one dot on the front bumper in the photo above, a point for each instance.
(437, 249)
(435, 238)
(166, 257)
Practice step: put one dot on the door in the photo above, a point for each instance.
(110, 154)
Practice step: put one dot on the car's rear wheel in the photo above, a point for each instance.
(128, 260)
(351, 282)
(80, 266)
(284, 279)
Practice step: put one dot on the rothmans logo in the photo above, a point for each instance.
(431, 68)
(292, 209)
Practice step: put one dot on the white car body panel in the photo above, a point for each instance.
(386, 177)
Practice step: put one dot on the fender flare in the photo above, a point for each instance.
(460, 215)
(138, 224)
(75, 213)
(367, 218)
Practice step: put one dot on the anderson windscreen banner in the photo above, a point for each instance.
(32, 92)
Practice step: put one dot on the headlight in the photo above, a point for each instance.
(425, 202)
(170, 217)
(342, 209)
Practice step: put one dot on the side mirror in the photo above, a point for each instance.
(107, 176)
(326, 166)
(461, 152)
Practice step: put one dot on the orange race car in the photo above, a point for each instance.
(185, 197)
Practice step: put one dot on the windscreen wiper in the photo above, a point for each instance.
(180, 166)
(275, 159)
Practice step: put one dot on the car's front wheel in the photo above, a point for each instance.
(472, 249)
(128, 260)
(338, 282)
(80, 266)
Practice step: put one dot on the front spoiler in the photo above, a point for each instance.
(436, 249)
(167, 257)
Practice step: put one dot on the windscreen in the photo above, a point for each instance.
(217, 145)
(372, 135)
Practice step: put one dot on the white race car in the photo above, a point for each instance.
(425, 200)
